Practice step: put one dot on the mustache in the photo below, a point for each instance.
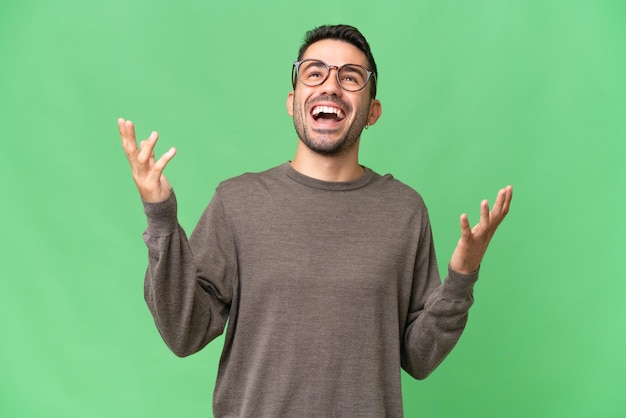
(329, 99)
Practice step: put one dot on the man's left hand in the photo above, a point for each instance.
(474, 241)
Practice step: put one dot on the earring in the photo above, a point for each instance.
(366, 126)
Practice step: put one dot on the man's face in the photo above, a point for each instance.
(328, 119)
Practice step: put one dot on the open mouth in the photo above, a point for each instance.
(327, 113)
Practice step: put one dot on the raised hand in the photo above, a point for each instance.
(474, 241)
(147, 173)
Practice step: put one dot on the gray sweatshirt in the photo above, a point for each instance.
(328, 289)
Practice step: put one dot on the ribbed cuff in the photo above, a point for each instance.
(162, 216)
(458, 284)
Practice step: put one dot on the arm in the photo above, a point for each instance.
(189, 307)
(188, 283)
(436, 321)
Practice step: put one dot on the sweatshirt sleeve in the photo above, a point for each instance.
(188, 284)
(438, 311)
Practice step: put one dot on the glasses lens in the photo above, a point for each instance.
(352, 77)
(312, 72)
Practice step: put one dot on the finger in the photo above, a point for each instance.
(127, 132)
(147, 148)
(466, 230)
(142, 147)
(159, 166)
(484, 213)
(496, 211)
(151, 157)
(507, 199)
(120, 125)
(151, 160)
(501, 207)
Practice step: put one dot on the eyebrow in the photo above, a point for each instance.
(315, 63)
(352, 68)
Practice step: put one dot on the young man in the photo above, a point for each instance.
(324, 270)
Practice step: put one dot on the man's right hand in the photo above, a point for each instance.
(147, 173)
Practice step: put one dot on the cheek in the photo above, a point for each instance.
(364, 109)
(297, 107)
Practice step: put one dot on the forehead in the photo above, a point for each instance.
(336, 52)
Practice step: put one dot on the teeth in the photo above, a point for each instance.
(327, 109)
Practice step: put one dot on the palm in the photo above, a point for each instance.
(474, 241)
(147, 171)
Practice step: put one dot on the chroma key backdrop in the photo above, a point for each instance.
(475, 94)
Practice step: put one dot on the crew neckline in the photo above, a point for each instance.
(305, 180)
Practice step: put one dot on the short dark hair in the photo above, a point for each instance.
(345, 33)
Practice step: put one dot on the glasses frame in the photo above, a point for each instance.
(296, 68)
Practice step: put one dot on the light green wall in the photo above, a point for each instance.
(476, 95)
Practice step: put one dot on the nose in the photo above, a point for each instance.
(331, 85)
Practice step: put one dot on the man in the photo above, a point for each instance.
(324, 270)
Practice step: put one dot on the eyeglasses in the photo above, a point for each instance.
(312, 72)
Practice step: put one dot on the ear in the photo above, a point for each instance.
(289, 103)
(375, 111)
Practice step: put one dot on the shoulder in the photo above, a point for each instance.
(249, 184)
(397, 191)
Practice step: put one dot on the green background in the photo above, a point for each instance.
(476, 95)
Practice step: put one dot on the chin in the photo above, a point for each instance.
(329, 147)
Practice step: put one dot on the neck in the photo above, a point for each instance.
(337, 168)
